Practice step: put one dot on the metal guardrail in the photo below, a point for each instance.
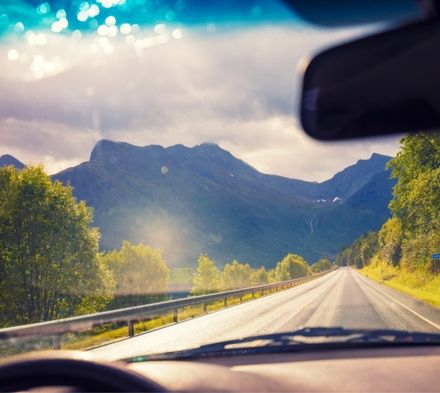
(131, 315)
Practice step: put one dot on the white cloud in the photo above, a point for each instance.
(52, 144)
(238, 89)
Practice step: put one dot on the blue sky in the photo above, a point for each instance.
(66, 85)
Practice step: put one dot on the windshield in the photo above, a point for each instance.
(154, 174)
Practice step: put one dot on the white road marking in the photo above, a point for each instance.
(428, 321)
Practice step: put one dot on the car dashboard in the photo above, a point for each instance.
(403, 369)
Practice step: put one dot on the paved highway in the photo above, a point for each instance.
(341, 298)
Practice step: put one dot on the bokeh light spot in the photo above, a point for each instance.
(102, 30)
(56, 27)
(160, 28)
(82, 16)
(43, 8)
(93, 11)
(125, 28)
(110, 20)
(93, 24)
(19, 27)
(177, 34)
(112, 31)
(84, 6)
(63, 23)
(61, 13)
(170, 15)
(13, 55)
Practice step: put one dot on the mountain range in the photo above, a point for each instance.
(189, 201)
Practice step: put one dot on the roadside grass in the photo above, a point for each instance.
(419, 284)
(109, 333)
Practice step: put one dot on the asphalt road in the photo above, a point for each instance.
(341, 298)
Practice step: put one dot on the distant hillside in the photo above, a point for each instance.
(341, 186)
(196, 200)
(7, 160)
(375, 195)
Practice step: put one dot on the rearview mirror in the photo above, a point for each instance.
(382, 84)
(349, 12)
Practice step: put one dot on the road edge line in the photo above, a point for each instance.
(428, 321)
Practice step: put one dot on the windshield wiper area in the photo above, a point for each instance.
(306, 338)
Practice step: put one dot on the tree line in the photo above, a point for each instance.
(51, 266)
(409, 238)
(210, 278)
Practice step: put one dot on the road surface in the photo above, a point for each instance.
(341, 298)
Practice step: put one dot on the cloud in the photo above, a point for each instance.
(237, 88)
(293, 154)
(54, 145)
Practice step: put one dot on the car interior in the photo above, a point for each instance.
(380, 84)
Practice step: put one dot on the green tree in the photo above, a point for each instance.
(344, 257)
(390, 241)
(141, 274)
(236, 275)
(416, 201)
(321, 265)
(259, 276)
(419, 153)
(181, 278)
(48, 251)
(408, 239)
(207, 277)
(291, 266)
(361, 251)
(367, 248)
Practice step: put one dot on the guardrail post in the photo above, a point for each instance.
(225, 301)
(205, 307)
(56, 342)
(175, 316)
(130, 328)
(241, 298)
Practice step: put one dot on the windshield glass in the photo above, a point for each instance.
(152, 159)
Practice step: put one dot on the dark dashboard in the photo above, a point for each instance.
(386, 369)
(403, 369)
